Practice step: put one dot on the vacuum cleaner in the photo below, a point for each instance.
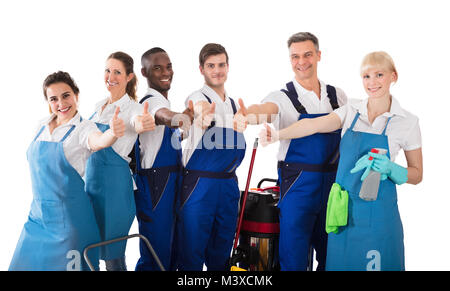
(258, 227)
(257, 236)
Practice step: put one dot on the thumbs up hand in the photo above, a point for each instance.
(240, 120)
(187, 118)
(116, 124)
(268, 135)
(190, 110)
(204, 114)
(145, 122)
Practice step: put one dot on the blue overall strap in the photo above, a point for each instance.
(67, 133)
(354, 121)
(293, 96)
(331, 92)
(92, 115)
(39, 133)
(387, 122)
(233, 105)
(207, 98)
(145, 98)
(64, 137)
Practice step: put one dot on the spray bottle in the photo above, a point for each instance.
(370, 185)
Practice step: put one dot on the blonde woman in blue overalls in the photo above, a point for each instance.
(372, 239)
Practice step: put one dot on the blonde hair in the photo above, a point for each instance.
(378, 59)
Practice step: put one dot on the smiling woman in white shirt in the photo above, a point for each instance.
(61, 222)
(109, 181)
(368, 235)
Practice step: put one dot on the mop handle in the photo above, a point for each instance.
(255, 146)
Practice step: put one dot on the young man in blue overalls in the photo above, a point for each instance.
(158, 162)
(210, 194)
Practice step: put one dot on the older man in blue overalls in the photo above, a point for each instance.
(306, 166)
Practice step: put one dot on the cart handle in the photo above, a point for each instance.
(149, 246)
(268, 180)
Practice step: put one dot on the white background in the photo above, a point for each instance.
(41, 37)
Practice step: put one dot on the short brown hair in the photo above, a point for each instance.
(304, 36)
(60, 77)
(211, 49)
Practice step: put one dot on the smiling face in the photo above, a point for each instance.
(116, 78)
(158, 71)
(62, 101)
(215, 71)
(304, 58)
(377, 82)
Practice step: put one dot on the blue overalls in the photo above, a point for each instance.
(209, 199)
(109, 184)
(306, 176)
(155, 199)
(373, 237)
(61, 222)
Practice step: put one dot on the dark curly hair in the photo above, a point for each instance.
(59, 77)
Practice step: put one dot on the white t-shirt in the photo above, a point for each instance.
(223, 117)
(76, 145)
(287, 114)
(403, 130)
(129, 110)
(150, 141)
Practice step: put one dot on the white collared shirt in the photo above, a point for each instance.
(287, 114)
(403, 130)
(150, 141)
(76, 146)
(223, 117)
(129, 110)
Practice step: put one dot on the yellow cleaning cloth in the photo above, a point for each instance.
(337, 209)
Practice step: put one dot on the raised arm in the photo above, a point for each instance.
(98, 140)
(167, 117)
(302, 128)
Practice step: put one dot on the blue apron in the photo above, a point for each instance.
(61, 222)
(306, 176)
(373, 237)
(155, 199)
(209, 200)
(109, 184)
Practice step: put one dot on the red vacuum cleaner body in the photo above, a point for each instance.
(259, 235)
